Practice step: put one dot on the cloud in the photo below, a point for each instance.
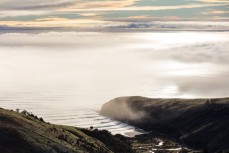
(56, 22)
(160, 64)
(110, 4)
(144, 18)
(82, 5)
(191, 48)
(214, 1)
(87, 14)
(103, 15)
(133, 26)
(33, 5)
(18, 13)
(57, 39)
(215, 86)
(107, 7)
(145, 24)
(211, 52)
(215, 12)
(119, 25)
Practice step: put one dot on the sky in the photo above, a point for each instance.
(114, 15)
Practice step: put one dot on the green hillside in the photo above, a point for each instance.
(26, 133)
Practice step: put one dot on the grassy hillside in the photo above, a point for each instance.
(199, 123)
(26, 133)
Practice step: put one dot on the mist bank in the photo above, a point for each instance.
(198, 123)
(81, 70)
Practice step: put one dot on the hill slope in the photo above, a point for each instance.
(199, 123)
(25, 133)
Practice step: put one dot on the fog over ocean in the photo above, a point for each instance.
(66, 77)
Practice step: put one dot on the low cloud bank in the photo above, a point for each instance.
(95, 67)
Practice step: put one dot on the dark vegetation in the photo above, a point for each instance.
(199, 123)
(117, 143)
(26, 133)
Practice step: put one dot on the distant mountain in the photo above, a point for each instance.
(26, 133)
(199, 123)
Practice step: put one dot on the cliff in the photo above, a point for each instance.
(198, 123)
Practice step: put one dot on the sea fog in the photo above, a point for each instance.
(65, 77)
